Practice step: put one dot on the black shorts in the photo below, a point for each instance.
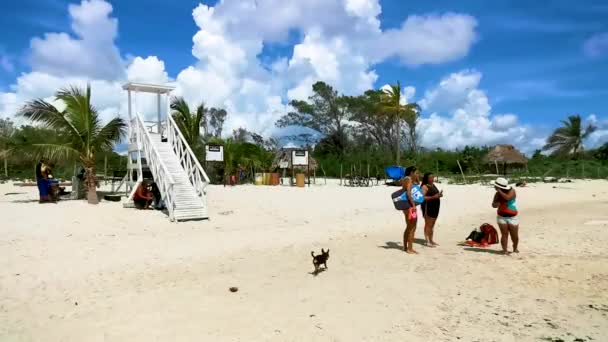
(430, 209)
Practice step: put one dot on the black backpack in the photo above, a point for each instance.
(475, 236)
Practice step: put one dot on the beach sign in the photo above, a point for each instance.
(299, 157)
(214, 153)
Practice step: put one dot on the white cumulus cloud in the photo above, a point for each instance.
(460, 115)
(338, 41)
(92, 52)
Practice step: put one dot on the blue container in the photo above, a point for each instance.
(394, 172)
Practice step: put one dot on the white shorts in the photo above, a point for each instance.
(513, 220)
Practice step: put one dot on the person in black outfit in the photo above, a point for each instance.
(157, 196)
(430, 207)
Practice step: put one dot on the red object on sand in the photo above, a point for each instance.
(482, 244)
(490, 234)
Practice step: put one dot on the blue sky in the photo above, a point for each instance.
(540, 61)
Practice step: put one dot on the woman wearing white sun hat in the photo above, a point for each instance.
(508, 222)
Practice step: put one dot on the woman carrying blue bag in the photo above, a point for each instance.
(406, 200)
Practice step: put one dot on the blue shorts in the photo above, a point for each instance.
(43, 186)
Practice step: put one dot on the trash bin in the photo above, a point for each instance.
(300, 180)
(274, 179)
(259, 179)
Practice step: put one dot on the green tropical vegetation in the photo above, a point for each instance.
(345, 134)
(76, 131)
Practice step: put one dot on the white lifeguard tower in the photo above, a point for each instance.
(158, 151)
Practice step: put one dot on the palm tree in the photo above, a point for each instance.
(189, 124)
(390, 104)
(569, 138)
(80, 134)
(7, 130)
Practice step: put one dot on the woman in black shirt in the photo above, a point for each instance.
(430, 207)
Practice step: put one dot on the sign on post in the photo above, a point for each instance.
(299, 157)
(214, 153)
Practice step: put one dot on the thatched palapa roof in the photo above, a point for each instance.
(505, 154)
(284, 154)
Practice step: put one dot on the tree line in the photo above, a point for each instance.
(344, 133)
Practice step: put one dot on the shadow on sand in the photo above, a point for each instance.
(399, 246)
(315, 273)
(482, 250)
(27, 201)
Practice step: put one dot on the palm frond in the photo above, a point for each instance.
(110, 134)
(55, 151)
(47, 115)
(80, 112)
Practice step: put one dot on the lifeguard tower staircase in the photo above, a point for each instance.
(158, 151)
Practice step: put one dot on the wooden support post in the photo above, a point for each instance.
(461, 172)
(437, 169)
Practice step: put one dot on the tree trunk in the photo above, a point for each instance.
(398, 140)
(6, 167)
(91, 185)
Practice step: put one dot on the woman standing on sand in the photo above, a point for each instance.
(414, 194)
(430, 207)
(504, 201)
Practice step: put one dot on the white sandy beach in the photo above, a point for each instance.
(76, 272)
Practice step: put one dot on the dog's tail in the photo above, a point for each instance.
(312, 253)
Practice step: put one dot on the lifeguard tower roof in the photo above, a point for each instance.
(148, 88)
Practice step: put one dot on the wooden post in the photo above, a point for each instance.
(324, 175)
(308, 173)
(308, 163)
(461, 172)
(437, 169)
(105, 166)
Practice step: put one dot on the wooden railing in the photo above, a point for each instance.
(162, 177)
(196, 174)
(135, 137)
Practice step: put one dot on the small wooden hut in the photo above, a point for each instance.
(506, 156)
(283, 158)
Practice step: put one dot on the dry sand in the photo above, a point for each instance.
(75, 272)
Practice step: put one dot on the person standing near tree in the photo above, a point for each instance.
(410, 184)
(41, 181)
(430, 207)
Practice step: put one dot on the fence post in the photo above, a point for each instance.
(462, 172)
(437, 174)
